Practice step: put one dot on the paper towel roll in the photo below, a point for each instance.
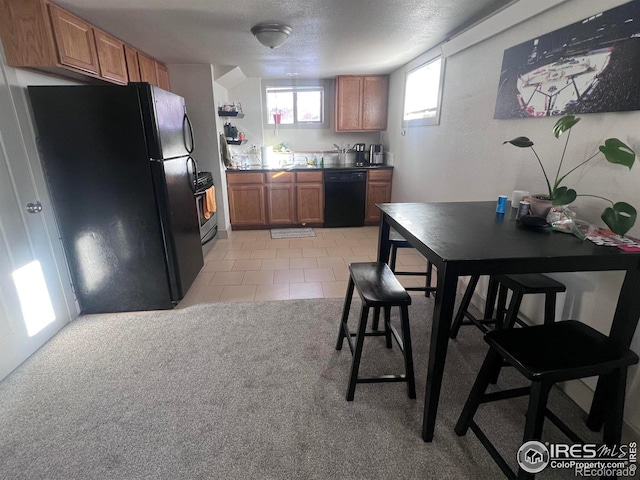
(265, 154)
(516, 196)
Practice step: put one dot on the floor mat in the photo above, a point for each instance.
(292, 232)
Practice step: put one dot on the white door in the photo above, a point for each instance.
(35, 292)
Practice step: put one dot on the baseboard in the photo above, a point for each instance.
(578, 390)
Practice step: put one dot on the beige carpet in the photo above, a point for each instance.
(243, 391)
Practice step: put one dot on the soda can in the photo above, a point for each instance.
(523, 209)
(502, 204)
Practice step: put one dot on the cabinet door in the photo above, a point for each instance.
(113, 65)
(375, 94)
(163, 76)
(133, 68)
(281, 208)
(348, 103)
(246, 205)
(377, 192)
(310, 200)
(147, 69)
(74, 37)
(26, 35)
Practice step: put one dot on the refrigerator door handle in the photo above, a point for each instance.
(187, 129)
(193, 182)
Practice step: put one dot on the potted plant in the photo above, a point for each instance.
(619, 217)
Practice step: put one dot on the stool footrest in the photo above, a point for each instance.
(563, 427)
(506, 469)
(420, 289)
(505, 394)
(417, 274)
(479, 322)
(382, 379)
(369, 334)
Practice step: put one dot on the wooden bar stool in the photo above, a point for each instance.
(547, 354)
(520, 285)
(378, 288)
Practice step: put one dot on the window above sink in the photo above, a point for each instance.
(300, 103)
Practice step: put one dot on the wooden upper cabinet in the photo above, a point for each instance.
(111, 59)
(147, 69)
(361, 103)
(348, 104)
(26, 34)
(375, 94)
(39, 34)
(133, 68)
(162, 74)
(75, 40)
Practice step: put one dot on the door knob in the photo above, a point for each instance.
(34, 207)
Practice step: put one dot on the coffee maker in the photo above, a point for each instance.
(376, 154)
(358, 148)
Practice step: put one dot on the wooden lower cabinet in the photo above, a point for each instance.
(293, 198)
(310, 200)
(310, 197)
(246, 205)
(378, 191)
(281, 204)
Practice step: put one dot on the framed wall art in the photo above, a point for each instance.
(591, 66)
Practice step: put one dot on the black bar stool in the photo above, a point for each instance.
(520, 285)
(547, 354)
(378, 288)
(398, 241)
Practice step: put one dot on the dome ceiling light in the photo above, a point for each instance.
(271, 35)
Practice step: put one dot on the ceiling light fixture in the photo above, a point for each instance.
(271, 35)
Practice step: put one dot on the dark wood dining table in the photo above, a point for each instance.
(470, 238)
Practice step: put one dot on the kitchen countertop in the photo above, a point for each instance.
(302, 168)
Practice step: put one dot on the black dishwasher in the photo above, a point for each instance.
(344, 198)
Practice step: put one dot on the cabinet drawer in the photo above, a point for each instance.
(309, 177)
(241, 178)
(279, 177)
(380, 175)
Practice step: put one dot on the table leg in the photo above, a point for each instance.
(384, 245)
(625, 321)
(492, 292)
(442, 315)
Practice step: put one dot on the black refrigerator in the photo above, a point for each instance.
(118, 166)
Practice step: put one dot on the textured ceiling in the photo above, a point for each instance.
(330, 37)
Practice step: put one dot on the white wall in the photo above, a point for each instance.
(249, 94)
(195, 83)
(464, 159)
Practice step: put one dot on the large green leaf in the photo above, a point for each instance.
(521, 142)
(616, 151)
(564, 196)
(620, 218)
(564, 124)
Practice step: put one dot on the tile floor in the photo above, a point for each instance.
(251, 266)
